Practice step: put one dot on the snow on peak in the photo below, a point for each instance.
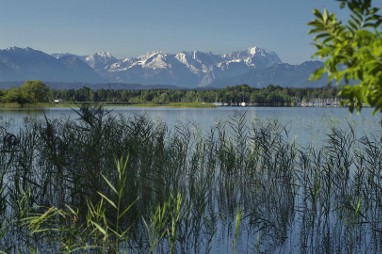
(253, 50)
(181, 57)
(19, 50)
(150, 54)
(13, 48)
(195, 55)
(157, 60)
(152, 60)
(100, 60)
(105, 56)
(256, 51)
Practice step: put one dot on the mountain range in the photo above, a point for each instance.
(254, 66)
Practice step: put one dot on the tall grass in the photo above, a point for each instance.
(240, 187)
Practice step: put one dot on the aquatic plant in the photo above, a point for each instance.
(241, 186)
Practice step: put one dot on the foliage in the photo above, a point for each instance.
(165, 222)
(30, 92)
(63, 226)
(113, 232)
(15, 95)
(352, 52)
(36, 91)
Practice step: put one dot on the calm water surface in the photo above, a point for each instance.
(303, 124)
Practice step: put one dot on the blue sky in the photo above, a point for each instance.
(128, 28)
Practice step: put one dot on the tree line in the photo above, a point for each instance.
(38, 92)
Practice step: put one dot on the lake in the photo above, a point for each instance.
(304, 124)
(246, 190)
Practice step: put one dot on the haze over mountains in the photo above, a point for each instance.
(254, 66)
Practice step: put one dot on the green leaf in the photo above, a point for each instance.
(317, 74)
(127, 208)
(352, 26)
(357, 17)
(107, 199)
(110, 184)
(102, 230)
(322, 35)
(318, 14)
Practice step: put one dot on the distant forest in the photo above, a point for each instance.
(36, 92)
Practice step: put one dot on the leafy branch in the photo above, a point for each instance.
(352, 53)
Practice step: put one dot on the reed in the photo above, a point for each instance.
(241, 186)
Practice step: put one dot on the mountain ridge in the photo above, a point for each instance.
(253, 66)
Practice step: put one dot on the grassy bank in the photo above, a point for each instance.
(22, 106)
(39, 105)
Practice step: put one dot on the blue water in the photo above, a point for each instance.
(304, 125)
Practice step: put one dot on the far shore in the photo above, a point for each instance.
(41, 106)
(37, 106)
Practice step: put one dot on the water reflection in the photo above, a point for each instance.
(304, 125)
(292, 200)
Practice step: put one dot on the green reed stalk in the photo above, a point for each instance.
(238, 219)
(191, 185)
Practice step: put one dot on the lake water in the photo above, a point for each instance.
(277, 218)
(304, 124)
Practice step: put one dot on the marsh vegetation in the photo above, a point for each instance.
(104, 183)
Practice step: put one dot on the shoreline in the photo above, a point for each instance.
(41, 106)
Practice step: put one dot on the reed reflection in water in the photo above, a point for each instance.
(241, 186)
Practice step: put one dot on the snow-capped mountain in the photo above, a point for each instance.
(254, 66)
(187, 69)
(99, 61)
(254, 57)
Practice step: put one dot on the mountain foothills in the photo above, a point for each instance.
(255, 66)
